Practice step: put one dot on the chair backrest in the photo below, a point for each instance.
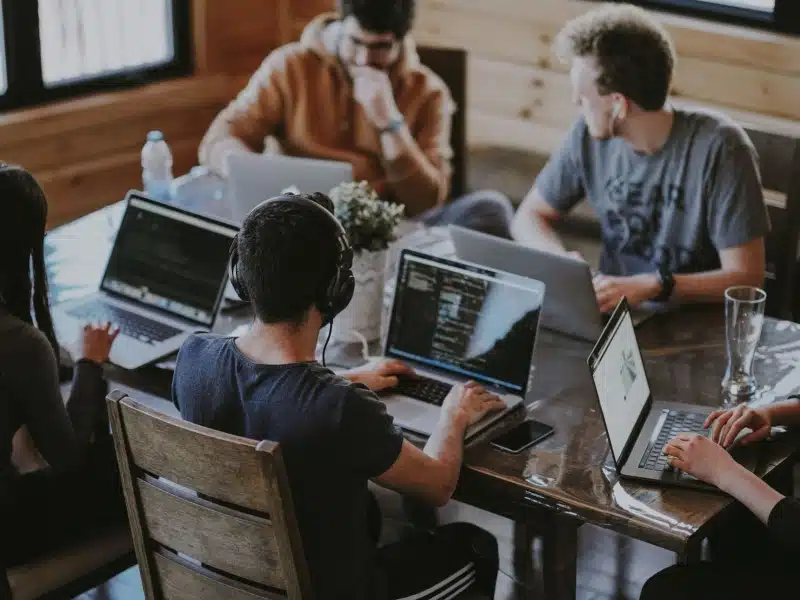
(211, 514)
(451, 65)
(779, 163)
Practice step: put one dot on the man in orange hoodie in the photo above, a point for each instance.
(353, 89)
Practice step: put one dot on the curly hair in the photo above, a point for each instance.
(634, 53)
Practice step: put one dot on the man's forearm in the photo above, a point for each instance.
(532, 230)
(214, 152)
(711, 285)
(416, 183)
(446, 445)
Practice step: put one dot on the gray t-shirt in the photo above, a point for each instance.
(701, 193)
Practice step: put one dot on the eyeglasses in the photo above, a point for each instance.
(383, 47)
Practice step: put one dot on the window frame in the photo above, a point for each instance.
(25, 85)
(785, 18)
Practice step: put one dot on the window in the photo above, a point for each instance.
(56, 49)
(3, 85)
(777, 15)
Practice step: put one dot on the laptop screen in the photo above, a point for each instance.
(619, 377)
(170, 260)
(465, 319)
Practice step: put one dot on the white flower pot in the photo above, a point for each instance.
(363, 314)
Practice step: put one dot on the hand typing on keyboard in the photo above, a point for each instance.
(728, 424)
(97, 341)
(470, 402)
(385, 375)
(699, 456)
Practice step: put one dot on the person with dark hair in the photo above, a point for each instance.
(353, 89)
(79, 490)
(677, 191)
(335, 434)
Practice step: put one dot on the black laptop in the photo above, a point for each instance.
(638, 427)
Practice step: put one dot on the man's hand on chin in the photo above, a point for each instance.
(637, 289)
(382, 376)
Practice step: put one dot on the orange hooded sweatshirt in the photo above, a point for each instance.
(301, 95)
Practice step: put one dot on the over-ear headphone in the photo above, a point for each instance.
(337, 293)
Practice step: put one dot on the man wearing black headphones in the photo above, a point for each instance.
(292, 260)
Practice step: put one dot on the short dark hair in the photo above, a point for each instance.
(287, 258)
(380, 16)
(634, 53)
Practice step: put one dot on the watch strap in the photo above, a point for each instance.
(395, 124)
(667, 282)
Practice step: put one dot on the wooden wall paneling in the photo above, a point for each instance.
(510, 43)
(522, 32)
(301, 13)
(108, 138)
(519, 91)
(234, 36)
(86, 152)
(78, 189)
(746, 88)
(715, 42)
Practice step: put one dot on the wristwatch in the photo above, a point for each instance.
(667, 282)
(395, 124)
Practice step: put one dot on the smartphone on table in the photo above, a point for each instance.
(522, 436)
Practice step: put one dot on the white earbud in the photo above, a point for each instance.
(616, 110)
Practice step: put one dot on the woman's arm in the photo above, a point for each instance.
(59, 431)
(710, 462)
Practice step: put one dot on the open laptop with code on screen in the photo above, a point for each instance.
(164, 280)
(452, 322)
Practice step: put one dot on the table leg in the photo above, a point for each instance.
(692, 552)
(560, 558)
(524, 571)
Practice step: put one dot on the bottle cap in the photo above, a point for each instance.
(155, 136)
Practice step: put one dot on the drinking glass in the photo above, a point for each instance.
(744, 317)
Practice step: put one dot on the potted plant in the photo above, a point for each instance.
(370, 224)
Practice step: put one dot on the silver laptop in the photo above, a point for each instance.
(638, 426)
(452, 322)
(164, 280)
(254, 178)
(571, 307)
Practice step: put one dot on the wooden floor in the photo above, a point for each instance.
(609, 566)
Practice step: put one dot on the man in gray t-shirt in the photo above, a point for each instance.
(677, 192)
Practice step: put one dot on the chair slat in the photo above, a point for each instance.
(182, 581)
(212, 463)
(211, 514)
(242, 545)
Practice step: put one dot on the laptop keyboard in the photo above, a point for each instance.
(130, 324)
(677, 421)
(425, 389)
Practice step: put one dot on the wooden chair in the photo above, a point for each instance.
(211, 514)
(451, 65)
(779, 162)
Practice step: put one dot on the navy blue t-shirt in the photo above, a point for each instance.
(334, 437)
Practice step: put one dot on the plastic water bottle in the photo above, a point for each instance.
(156, 166)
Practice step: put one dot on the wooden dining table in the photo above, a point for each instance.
(569, 479)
